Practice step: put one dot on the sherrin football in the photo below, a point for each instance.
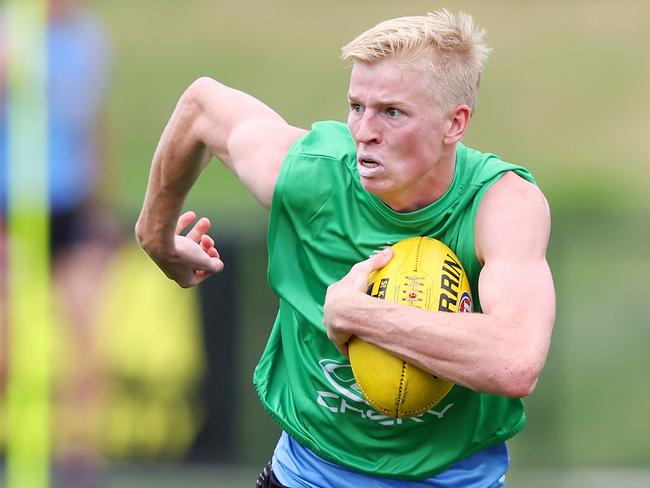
(423, 273)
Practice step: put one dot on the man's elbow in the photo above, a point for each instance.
(200, 90)
(192, 99)
(520, 381)
(192, 102)
(520, 388)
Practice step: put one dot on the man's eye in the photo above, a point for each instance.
(393, 112)
(355, 107)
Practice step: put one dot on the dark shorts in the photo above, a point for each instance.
(267, 478)
(67, 229)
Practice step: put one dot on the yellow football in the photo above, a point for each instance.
(423, 273)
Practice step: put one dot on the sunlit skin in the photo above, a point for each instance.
(406, 152)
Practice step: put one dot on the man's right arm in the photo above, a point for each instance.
(209, 120)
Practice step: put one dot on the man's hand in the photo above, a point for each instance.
(341, 297)
(194, 256)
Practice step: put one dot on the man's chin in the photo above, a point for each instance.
(371, 185)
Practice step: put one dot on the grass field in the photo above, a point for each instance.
(561, 92)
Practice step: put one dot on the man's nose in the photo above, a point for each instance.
(368, 130)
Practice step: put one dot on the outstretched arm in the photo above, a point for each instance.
(500, 351)
(209, 120)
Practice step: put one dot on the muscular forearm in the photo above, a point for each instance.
(477, 351)
(177, 163)
(248, 137)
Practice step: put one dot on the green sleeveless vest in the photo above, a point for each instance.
(322, 222)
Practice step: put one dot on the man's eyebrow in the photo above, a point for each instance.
(382, 103)
(401, 104)
(392, 103)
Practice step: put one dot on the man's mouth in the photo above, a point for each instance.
(368, 166)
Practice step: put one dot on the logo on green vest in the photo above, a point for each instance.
(346, 397)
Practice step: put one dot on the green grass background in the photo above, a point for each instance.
(565, 92)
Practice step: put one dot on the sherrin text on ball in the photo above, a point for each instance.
(423, 273)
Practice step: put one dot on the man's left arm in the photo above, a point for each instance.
(500, 351)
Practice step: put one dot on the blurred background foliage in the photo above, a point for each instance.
(565, 93)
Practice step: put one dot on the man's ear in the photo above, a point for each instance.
(459, 122)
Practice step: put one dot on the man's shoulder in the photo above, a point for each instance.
(510, 186)
(487, 167)
(513, 220)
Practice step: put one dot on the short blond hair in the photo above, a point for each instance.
(450, 48)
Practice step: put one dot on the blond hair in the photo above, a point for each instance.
(450, 49)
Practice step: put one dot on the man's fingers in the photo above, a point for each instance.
(184, 220)
(207, 244)
(200, 228)
(381, 259)
(374, 262)
(343, 349)
(216, 265)
(358, 276)
(192, 261)
(213, 265)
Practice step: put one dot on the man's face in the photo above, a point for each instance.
(401, 154)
